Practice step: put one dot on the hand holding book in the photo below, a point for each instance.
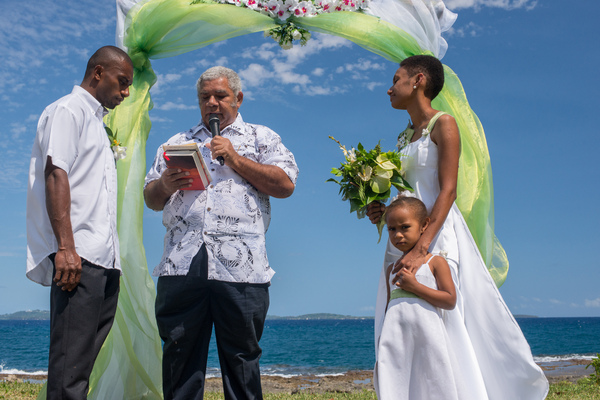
(187, 157)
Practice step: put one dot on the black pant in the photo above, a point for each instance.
(186, 309)
(80, 320)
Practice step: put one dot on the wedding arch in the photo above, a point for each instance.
(129, 365)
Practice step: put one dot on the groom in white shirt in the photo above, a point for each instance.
(72, 242)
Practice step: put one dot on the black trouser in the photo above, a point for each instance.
(186, 309)
(80, 320)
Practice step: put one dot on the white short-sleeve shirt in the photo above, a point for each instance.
(231, 216)
(71, 131)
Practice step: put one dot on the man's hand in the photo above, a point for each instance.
(221, 146)
(158, 192)
(375, 211)
(268, 179)
(68, 268)
(173, 180)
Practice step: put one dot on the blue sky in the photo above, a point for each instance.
(529, 69)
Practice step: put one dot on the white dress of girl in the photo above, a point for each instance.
(492, 352)
(419, 361)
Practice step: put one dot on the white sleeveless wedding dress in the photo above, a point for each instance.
(492, 352)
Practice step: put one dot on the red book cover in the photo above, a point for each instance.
(187, 157)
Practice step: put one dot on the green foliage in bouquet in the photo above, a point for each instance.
(368, 176)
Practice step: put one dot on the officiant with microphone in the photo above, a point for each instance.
(214, 270)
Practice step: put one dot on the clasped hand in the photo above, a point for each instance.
(68, 269)
(410, 263)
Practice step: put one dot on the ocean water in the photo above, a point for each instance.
(297, 347)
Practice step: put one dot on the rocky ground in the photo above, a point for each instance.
(569, 370)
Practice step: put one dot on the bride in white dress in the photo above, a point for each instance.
(492, 352)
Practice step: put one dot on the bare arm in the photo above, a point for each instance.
(446, 136)
(445, 295)
(58, 205)
(268, 179)
(157, 192)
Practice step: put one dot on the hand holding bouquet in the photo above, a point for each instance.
(368, 176)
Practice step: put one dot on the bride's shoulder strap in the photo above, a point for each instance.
(433, 120)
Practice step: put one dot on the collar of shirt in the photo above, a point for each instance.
(237, 127)
(97, 109)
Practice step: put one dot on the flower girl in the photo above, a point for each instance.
(418, 361)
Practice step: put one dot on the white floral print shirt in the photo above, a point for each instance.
(231, 216)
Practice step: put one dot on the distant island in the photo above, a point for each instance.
(317, 316)
(27, 315)
(45, 315)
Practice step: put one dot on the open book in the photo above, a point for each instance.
(187, 157)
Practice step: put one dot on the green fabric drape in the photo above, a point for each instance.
(129, 364)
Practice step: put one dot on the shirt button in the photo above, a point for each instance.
(207, 208)
(212, 186)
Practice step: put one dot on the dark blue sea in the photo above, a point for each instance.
(297, 347)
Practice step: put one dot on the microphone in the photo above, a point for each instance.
(213, 123)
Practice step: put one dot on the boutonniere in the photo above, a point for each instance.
(405, 136)
(119, 151)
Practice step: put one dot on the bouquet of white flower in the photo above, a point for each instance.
(119, 151)
(368, 176)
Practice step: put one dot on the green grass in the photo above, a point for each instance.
(19, 390)
(558, 391)
(573, 391)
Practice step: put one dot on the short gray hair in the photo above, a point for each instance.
(235, 83)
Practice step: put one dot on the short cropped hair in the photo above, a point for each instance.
(414, 205)
(106, 56)
(233, 79)
(429, 66)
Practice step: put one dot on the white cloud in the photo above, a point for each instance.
(593, 303)
(222, 61)
(255, 75)
(505, 4)
(471, 29)
(159, 119)
(317, 90)
(265, 51)
(557, 302)
(316, 44)
(318, 72)
(364, 65)
(163, 80)
(189, 71)
(285, 74)
(373, 85)
(17, 129)
(169, 105)
(9, 254)
(35, 35)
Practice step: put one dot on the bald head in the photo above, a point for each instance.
(106, 57)
(108, 75)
